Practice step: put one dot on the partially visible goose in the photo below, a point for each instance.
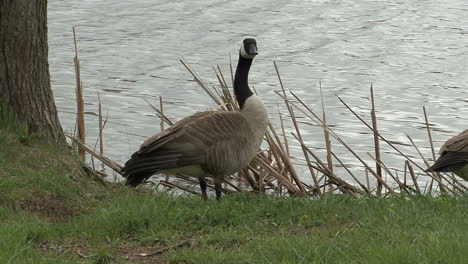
(453, 156)
(207, 144)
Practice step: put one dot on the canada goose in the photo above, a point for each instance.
(453, 156)
(207, 144)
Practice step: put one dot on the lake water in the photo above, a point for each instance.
(415, 53)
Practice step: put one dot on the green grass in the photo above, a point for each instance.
(50, 214)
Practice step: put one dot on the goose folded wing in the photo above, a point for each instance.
(458, 143)
(188, 142)
(169, 134)
(449, 159)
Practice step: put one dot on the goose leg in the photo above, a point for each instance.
(203, 189)
(218, 191)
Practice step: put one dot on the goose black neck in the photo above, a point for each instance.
(241, 81)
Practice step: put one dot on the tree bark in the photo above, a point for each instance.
(24, 68)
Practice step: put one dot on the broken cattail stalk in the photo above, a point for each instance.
(376, 142)
(101, 125)
(326, 133)
(80, 121)
(161, 108)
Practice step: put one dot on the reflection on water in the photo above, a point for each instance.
(414, 53)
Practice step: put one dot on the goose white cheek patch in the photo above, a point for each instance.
(245, 54)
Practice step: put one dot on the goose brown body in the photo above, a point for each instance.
(206, 144)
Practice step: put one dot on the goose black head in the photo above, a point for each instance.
(248, 49)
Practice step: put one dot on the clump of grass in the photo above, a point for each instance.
(103, 255)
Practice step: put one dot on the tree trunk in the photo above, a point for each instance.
(24, 68)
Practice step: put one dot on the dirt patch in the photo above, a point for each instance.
(142, 254)
(64, 248)
(51, 208)
(120, 254)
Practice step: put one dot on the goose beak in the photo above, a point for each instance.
(252, 50)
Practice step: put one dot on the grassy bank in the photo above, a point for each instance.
(52, 213)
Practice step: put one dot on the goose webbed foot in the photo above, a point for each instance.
(203, 189)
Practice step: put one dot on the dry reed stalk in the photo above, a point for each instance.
(432, 146)
(395, 178)
(201, 84)
(429, 133)
(283, 131)
(275, 150)
(376, 141)
(306, 156)
(161, 108)
(367, 190)
(325, 132)
(221, 93)
(161, 121)
(173, 185)
(428, 165)
(316, 119)
(111, 164)
(285, 158)
(298, 131)
(366, 172)
(101, 174)
(384, 139)
(231, 69)
(332, 177)
(456, 185)
(404, 175)
(222, 77)
(279, 177)
(233, 186)
(413, 177)
(101, 126)
(159, 113)
(243, 174)
(80, 121)
(227, 96)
